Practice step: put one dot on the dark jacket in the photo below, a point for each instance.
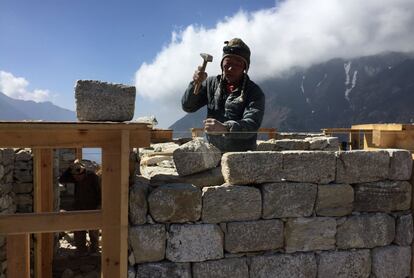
(242, 117)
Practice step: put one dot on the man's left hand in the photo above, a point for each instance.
(214, 127)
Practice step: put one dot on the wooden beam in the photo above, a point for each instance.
(161, 135)
(115, 167)
(50, 222)
(18, 256)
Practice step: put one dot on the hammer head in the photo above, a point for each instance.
(206, 57)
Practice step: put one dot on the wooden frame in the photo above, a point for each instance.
(270, 131)
(115, 140)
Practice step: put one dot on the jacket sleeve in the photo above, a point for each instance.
(248, 126)
(191, 102)
(66, 177)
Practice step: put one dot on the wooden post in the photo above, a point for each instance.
(115, 170)
(18, 256)
(43, 202)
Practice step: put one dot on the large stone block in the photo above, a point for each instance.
(384, 196)
(391, 261)
(177, 203)
(401, 164)
(288, 199)
(323, 143)
(283, 144)
(209, 177)
(231, 203)
(233, 267)
(362, 166)
(251, 167)
(309, 234)
(309, 166)
(102, 101)
(366, 231)
(164, 270)
(138, 206)
(283, 265)
(344, 264)
(253, 236)
(334, 200)
(147, 242)
(195, 156)
(194, 243)
(404, 230)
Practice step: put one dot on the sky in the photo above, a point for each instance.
(46, 45)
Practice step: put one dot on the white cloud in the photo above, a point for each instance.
(293, 33)
(16, 87)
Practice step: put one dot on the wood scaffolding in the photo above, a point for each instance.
(116, 140)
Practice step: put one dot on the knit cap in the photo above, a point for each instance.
(236, 47)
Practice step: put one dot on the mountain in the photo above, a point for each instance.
(336, 93)
(18, 110)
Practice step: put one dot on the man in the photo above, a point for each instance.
(87, 197)
(235, 104)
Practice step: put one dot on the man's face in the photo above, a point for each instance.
(233, 68)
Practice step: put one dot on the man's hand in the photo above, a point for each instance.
(214, 127)
(199, 76)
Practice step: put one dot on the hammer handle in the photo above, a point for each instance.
(198, 84)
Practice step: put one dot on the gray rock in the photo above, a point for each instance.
(401, 164)
(404, 230)
(194, 243)
(23, 155)
(23, 176)
(8, 156)
(383, 196)
(320, 143)
(253, 236)
(283, 144)
(209, 177)
(233, 267)
(362, 166)
(102, 101)
(22, 188)
(345, 264)
(251, 167)
(164, 270)
(23, 199)
(309, 234)
(309, 166)
(132, 273)
(147, 242)
(195, 156)
(301, 265)
(366, 231)
(1, 171)
(138, 206)
(231, 203)
(5, 188)
(288, 199)
(334, 200)
(391, 261)
(176, 203)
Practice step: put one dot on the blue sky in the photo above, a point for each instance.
(45, 46)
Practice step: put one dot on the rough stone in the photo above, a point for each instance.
(360, 166)
(232, 267)
(309, 234)
(177, 203)
(164, 270)
(401, 164)
(132, 273)
(253, 236)
(251, 167)
(288, 199)
(382, 196)
(148, 242)
(102, 101)
(1, 171)
(334, 200)
(404, 230)
(231, 203)
(366, 231)
(323, 143)
(283, 265)
(345, 264)
(391, 261)
(21, 188)
(283, 144)
(309, 166)
(194, 243)
(138, 206)
(8, 156)
(23, 155)
(23, 176)
(195, 156)
(6, 201)
(5, 188)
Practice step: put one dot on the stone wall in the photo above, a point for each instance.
(278, 214)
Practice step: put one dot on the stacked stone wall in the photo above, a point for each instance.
(279, 214)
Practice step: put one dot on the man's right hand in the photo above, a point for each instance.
(199, 76)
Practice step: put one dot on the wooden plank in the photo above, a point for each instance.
(115, 167)
(395, 127)
(50, 222)
(44, 125)
(43, 202)
(18, 256)
(161, 135)
(354, 140)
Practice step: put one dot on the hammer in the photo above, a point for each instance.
(206, 58)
